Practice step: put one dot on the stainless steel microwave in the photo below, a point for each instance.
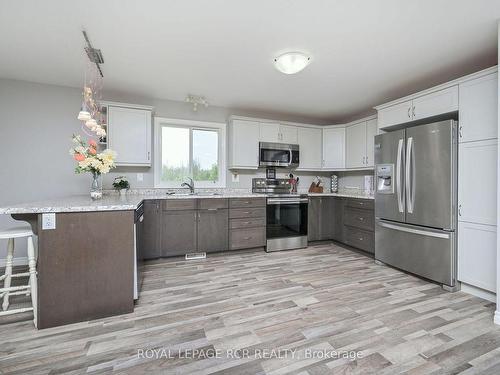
(278, 155)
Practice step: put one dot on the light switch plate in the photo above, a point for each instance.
(140, 177)
(48, 221)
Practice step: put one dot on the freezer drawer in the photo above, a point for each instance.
(429, 253)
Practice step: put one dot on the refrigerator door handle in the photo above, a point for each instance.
(399, 165)
(414, 231)
(409, 184)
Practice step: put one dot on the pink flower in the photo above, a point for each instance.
(79, 157)
(92, 151)
(92, 143)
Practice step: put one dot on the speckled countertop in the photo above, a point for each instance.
(114, 202)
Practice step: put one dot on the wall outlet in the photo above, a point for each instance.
(140, 177)
(48, 221)
(235, 177)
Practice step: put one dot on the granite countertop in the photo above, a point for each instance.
(114, 202)
(111, 202)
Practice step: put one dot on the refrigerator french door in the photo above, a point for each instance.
(415, 200)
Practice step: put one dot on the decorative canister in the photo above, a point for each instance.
(334, 183)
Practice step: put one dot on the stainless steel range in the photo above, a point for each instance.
(286, 214)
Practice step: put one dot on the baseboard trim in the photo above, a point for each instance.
(21, 261)
(496, 320)
(478, 292)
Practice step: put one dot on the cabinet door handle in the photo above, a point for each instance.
(413, 112)
(459, 210)
(409, 114)
(460, 131)
(247, 238)
(212, 209)
(361, 219)
(149, 155)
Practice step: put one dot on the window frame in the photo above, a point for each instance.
(161, 122)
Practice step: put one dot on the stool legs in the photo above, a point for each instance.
(8, 272)
(33, 277)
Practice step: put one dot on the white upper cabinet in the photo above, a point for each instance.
(333, 148)
(436, 103)
(277, 133)
(309, 140)
(478, 108)
(288, 134)
(360, 144)
(244, 144)
(371, 132)
(129, 134)
(433, 104)
(270, 132)
(477, 182)
(395, 114)
(356, 145)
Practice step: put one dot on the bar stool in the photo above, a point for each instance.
(29, 289)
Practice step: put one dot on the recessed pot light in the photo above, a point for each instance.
(291, 62)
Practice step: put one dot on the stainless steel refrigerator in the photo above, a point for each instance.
(416, 200)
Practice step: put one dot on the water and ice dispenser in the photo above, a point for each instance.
(385, 178)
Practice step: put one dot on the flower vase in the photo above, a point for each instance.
(123, 192)
(96, 187)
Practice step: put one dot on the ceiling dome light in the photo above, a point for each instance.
(291, 62)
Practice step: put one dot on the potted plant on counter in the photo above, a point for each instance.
(90, 161)
(121, 184)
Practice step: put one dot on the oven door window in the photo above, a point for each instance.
(273, 156)
(286, 220)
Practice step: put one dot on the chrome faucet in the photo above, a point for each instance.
(190, 185)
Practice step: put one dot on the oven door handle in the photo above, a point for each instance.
(286, 201)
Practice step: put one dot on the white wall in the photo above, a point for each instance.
(36, 124)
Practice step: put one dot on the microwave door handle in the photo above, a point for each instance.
(291, 156)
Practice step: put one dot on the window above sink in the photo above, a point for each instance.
(185, 148)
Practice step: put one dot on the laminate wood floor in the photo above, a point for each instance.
(231, 314)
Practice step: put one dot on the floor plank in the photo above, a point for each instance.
(279, 313)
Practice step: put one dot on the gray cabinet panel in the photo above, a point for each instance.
(247, 202)
(238, 213)
(178, 232)
(213, 230)
(151, 230)
(325, 224)
(211, 203)
(179, 204)
(319, 218)
(362, 239)
(313, 217)
(247, 223)
(337, 216)
(363, 219)
(247, 238)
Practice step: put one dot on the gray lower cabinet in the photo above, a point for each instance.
(179, 232)
(151, 230)
(346, 220)
(359, 224)
(213, 228)
(247, 223)
(320, 215)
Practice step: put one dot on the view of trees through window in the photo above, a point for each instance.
(189, 152)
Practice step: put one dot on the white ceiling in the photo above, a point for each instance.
(364, 52)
